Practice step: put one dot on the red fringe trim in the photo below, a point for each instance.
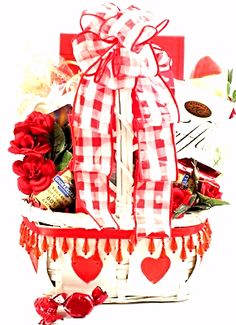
(30, 233)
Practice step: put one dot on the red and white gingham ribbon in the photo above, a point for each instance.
(115, 51)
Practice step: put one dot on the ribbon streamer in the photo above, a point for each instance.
(115, 52)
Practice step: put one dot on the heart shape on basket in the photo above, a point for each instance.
(155, 269)
(87, 269)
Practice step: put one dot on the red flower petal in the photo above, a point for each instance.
(38, 130)
(26, 141)
(24, 185)
(49, 168)
(17, 168)
(41, 184)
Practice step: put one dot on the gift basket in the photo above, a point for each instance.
(109, 213)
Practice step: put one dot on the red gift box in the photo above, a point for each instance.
(173, 45)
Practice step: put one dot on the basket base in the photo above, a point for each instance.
(142, 299)
(154, 270)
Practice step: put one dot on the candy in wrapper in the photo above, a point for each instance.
(186, 177)
(60, 194)
(77, 305)
(61, 115)
(46, 307)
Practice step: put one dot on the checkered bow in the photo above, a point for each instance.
(114, 51)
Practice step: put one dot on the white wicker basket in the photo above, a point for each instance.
(65, 262)
(71, 254)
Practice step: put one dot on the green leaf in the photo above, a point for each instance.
(195, 174)
(64, 160)
(192, 200)
(201, 207)
(234, 96)
(67, 133)
(181, 209)
(206, 200)
(59, 141)
(228, 88)
(185, 207)
(230, 76)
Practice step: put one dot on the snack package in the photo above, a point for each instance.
(201, 114)
(59, 195)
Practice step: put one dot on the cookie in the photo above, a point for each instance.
(197, 109)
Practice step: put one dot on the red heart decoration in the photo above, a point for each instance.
(155, 269)
(205, 67)
(87, 268)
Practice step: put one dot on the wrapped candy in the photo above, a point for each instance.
(77, 305)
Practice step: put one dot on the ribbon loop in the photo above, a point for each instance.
(128, 33)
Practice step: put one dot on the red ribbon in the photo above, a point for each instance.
(115, 51)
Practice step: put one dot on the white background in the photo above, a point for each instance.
(28, 26)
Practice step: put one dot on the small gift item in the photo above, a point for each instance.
(77, 305)
(205, 66)
(107, 205)
(196, 188)
(202, 111)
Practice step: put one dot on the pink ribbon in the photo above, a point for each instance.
(115, 51)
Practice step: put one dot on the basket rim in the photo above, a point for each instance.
(105, 233)
(80, 220)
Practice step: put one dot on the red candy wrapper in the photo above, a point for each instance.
(186, 168)
(77, 305)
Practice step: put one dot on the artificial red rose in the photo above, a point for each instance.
(36, 123)
(35, 173)
(26, 143)
(33, 135)
(179, 197)
(210, 189)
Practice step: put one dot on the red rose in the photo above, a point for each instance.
(37, 123)
(210, 189)
(179, 197)
(35, 173)
(33, 135)
(26, 143)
